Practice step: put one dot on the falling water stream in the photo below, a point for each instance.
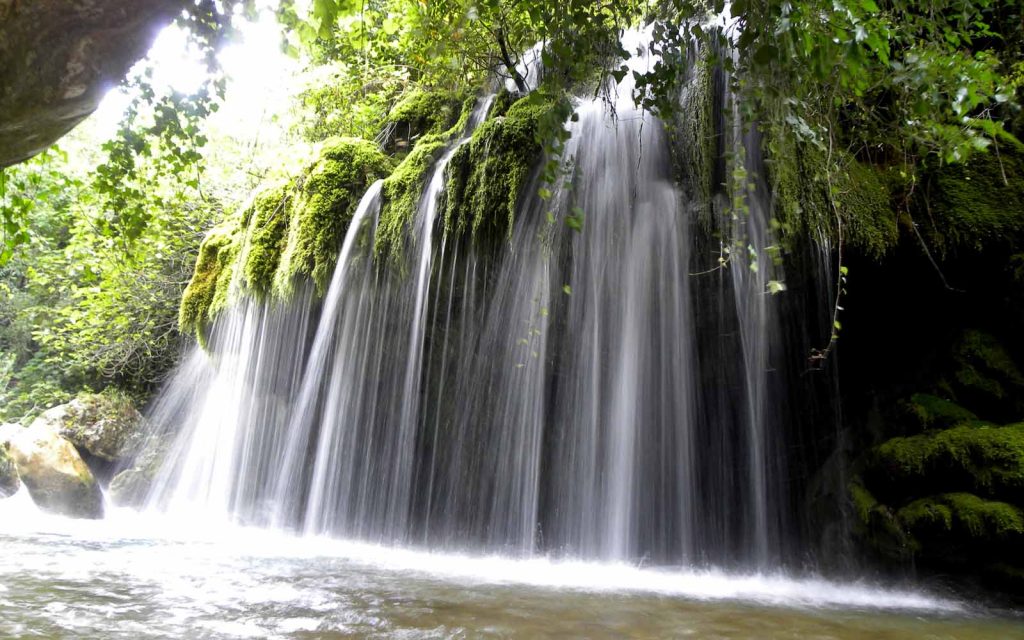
(568, 436)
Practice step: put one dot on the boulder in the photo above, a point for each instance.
(56, 476)
(130, 487)
(105, 426)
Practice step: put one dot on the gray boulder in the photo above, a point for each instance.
(131, 487)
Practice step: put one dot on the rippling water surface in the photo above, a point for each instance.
(138, 577)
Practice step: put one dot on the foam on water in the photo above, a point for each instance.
(167, 549)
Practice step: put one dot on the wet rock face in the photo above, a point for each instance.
(59, 57)
(130, 487)
(56, 476)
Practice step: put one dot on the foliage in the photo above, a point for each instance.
(901, 78)
(83, 310)
(24, 187)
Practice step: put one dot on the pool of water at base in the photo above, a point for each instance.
(139, 577)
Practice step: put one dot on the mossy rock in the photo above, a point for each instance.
(982, 459)
(327, 199)
(486, 176)
(959, 531)
(963, 518)
(977, 203)
(131, 487)
(806, 200)
(986, 376)
(291, 229)
(9, 480)
(207, 293)
(402, 190)
(104, 425)
(266, 223)
(933, 412)
(422, 111)
(57, 478)
(876, 523)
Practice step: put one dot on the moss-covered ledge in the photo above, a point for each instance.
(976, 204)
(487, 175)
(291, 229)
(946, 498)
(401, 190)
(326, 200)
(420, 112)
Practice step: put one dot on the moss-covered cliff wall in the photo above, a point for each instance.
(292, 230)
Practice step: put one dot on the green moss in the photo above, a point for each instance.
(694, 139)
(266, 221)
(876, 524)
(926, 513)
(486, 176)
(985, 460)
(425, 112)
(863, 201)
(502, 101)
(863, 502)
(983, 366)
(401, 190)
(326, 200)
(292, 229)
(963, 515)
(975, 204)
(804, 195)
(207, 292)
(933, 412)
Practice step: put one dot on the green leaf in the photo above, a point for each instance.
(766, 54)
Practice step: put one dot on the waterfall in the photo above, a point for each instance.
(589, 389)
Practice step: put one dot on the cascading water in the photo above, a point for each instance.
(500, 436)
(561, 394)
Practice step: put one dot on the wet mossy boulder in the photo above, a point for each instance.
(207, 292)
(57, 478)
(401, 190)
(952, 520)
(131, 486)
(266, 224)
(984, 459)
(984, 375)
(932, 412)
(106, 426)
(852, 205)
(421, 112)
